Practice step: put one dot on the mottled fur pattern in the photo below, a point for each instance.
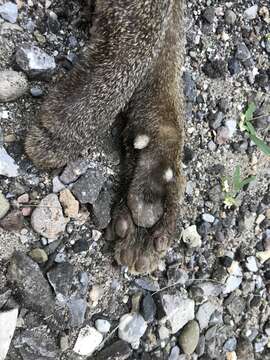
(127, 38)
(132, 65)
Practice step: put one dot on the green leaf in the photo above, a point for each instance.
(250, 111)
(250, 128)
(236, 179)
(260, 143)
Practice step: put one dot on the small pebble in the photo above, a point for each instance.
(103, 326)
(39, 255)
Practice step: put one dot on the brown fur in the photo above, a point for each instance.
(133, 65)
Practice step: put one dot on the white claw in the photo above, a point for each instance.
(168, 175)
(141, 141)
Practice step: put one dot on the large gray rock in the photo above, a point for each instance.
(178, 309)
(7, 164)
(9, 12)
(48, 219)
(34, 61)
(12, 85)
(7, 327)
(29, 284)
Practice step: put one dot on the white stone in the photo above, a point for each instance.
(102, 325)
(141, 141)
(9, 12)
(191, 237)
(7, 164)
(164, 333)
(131, 329)
(251, 12)
(8, 321)
(251, 264)
(235, 279)
(208, 218)
(88, 341)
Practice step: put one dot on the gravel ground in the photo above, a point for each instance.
(61, 294)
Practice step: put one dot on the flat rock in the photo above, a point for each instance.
(8, 321)
(131, 328)
(4, 205)
(205, 312)
(12, 85)
(119, 350)
(179, 310)
(8, 166)
(75, 169)
(88, 341)
(9, 12)
(47, 219)
(189, 337)
(89, 185)
(35, 62)
(29, 284)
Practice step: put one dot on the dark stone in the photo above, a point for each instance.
(53, 23)
(102, 206)
(215, 69)
(188, 155)
(226, 261)
(148, 308)
(88, 187)
(29, 284)
(189, 87)
(80, 245)
(119, 350)
(262, 79)
(234, 66)
(209, 15)
(242, 52)
(60, 277)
